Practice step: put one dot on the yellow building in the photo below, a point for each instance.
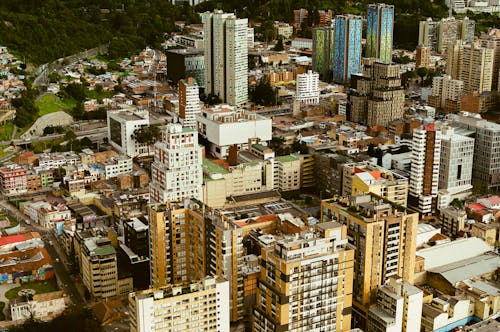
(177, 243)
(306, 282)
(199, 306)
(365, 178)
(287, 171)
(384, 235)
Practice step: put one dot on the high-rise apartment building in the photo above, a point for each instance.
(428, 34)
(425, 159)
(189, 102)
(379, 32)
(306, 282)
(322, 52)
(347, 47)
(225, 259)
(422, 57)
(438, 35)
(486, 166)
(307, 88)
(446, 93)
(384, 237)
(226, 56)
(176, 172)
(186, 244)
(398, 308)
(176, 243)
(199, 306)
(476, 68)
(376, 97)
(491, 39)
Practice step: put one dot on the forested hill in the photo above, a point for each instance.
(44, 30)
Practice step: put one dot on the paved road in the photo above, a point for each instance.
(60, 262)
(93, 133)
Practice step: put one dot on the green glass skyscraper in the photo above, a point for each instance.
(379, 32)
(322, 57)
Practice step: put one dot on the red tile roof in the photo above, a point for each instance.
(12, 239)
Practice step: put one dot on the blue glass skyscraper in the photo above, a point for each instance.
(347, 47)
(379, 32)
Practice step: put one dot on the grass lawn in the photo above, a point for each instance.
(40, 287)
(50, 103)
(6, 131)
(93, 94)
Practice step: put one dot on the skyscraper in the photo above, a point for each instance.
(347, 47)
(322, 58)
(189, 102)
(425, 159)
(306, 282)
(226, 56)
(176, 172)
(379, 32)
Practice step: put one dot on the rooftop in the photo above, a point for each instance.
(455, 251)
(468, 268)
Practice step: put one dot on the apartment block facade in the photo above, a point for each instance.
(424, 178)
(384, 237)
(306, 282)
(197, 306)
(307, 91)
(398, 308)
(176, 172)
(189, 102)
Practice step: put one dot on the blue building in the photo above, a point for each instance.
(379, 32)
(347, 47)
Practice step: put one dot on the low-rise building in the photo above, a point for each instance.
(121, 127)
(13, 180)
(446, 313)
(118, 166)
(42, 307)
(398, 308)
(224, 126)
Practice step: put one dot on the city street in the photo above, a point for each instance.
(65, 280)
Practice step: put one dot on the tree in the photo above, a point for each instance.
(147, 135)
(264, 94)
(422, 72)
(279, 45)
(70, 135)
